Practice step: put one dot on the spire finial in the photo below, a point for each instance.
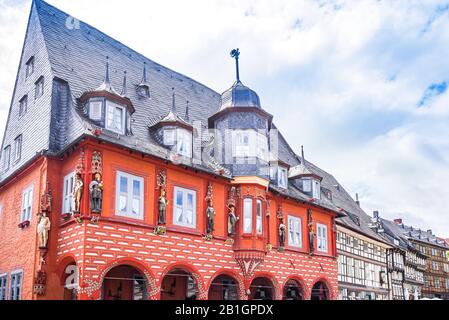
(124, 89)
(106, 78)
(235, 53)
(173, 107)
(303, 159)
(187, 111)
(144, 78)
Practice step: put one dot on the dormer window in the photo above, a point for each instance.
(23, 105)
(30, 67)
(312, 187)
(143, 91)
(169, 137)
(184, 143)
(282, 177)
(96, 109)
(115, 117)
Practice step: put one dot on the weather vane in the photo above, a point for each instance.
(235, 53)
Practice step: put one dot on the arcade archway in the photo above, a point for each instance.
(293, 290)
(124, 283)
(320, 291)
(262, 288)
(223, 287)
(179, 284)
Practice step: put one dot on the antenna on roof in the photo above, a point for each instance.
(124, 89)
(235, 53)
(173, 106)
(357, 199)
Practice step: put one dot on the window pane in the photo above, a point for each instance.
(123, 184)
(259, 217)
(247, 215)
(136, 188)
(179, 198)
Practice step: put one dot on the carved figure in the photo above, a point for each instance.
(43, 227)
(232, 220)
(96, 194)
(282, 229)
(162, 207)
(77, 193)
(210, 218)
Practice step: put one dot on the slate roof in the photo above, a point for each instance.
(78, 55)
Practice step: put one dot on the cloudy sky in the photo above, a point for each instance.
(361, 84)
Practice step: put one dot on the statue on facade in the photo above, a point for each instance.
(311, 233)
(282, 230)
(162, 207)
(232, 220)
(43, 228)
(96, 194)
(77, 193)
(210, 218)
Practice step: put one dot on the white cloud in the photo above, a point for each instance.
(344, 78)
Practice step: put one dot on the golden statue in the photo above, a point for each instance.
(43, 227)
(78, 193)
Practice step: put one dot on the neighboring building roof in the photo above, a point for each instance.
(77, 57)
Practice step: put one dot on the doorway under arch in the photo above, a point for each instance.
(179, 284)
(293, 290)
(224, 287)
(320, 291)
(261, 288)
(124, 282)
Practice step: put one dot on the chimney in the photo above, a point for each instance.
(375, 214)
(357, 199)
(429, 231)
(398, 221)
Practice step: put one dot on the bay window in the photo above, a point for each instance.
(67, 193)
(185, 207)
(27, 204)
(259, 219)
(169, 137)
(294, 232)
(249, 143)
(322, 238)
(247, 215)
(129, 196)
(241, 144)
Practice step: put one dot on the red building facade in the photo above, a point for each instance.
(97, 169)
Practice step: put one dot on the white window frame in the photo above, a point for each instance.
(307, 185)
(26, 212)
(3, 286)
(241, 144)
(129, 196)
(184, 142)
(316, 189)
(18, 148)
(169, 137)
(23, 105)
(114, 106)
(181, 210)
(29, 67)
(6, 158)
(282, 172)
(259, 217)
(39, 88)
(322, 238)
(296, 231)
(67, 193)
(96, 109)
(13, 285)
(247, 215)
(262, 146)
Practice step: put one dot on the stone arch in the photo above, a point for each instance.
(231, 274)
(202, 292)
(152, 289)
(325, 281)
(301, 282)
(277, 294)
